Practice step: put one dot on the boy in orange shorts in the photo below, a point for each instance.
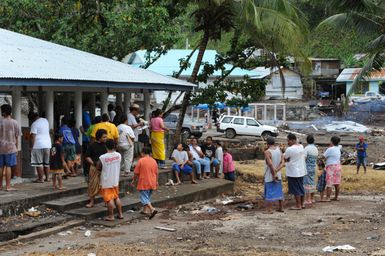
(110, 166)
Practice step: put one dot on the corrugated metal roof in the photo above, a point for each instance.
(26, 60)
(349, 74)
(168, 63)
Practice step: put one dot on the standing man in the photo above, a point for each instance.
(9, 133)
(146, 176)
(69, 147)
(40, 145)
(295, 170)
(361, 148)
(134, 112)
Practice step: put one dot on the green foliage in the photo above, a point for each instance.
(104, 27)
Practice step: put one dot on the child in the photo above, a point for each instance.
(274, 162)
(57, 162)
(109, 164)
(228, 165)
(146, 175)
(219, 157)
(181, 164)
(321, 185)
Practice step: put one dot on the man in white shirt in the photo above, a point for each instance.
(295, 170)
(40, 144)
(199, 159)
(134, 112)
(109, 164)
(126, 145)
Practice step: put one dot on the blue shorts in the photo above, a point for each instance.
(215, 161)
(186, 168)
(8, 160)
(361, 161)
(145, 197)
(230, 176)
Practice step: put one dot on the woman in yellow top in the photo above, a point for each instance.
(112, 130)
(157, 137)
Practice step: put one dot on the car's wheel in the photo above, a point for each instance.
(186, 133)
(230, 133)
(266, 134)
(198, 135)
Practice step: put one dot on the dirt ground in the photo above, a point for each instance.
(238, 229)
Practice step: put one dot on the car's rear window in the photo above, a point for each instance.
(226, 120)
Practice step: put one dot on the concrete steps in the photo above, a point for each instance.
(164, 197)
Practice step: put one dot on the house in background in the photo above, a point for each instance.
(293, 83)
(375, 82)
(324, 73)
(169, 63)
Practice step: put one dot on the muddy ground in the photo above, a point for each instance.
(355, 220)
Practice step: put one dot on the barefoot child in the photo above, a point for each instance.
(146, 176)
(321, 185)
(181, 164)
(57, 162)
(228, 165)
(273, 177)
(110, 172)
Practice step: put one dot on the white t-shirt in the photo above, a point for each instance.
(219, 157)
(110, 169)
(194, 152)
(180, 156)
(41, 130)
(132, 121)
(311, 150)
(124, 132)
(333, 155)
(296, 167)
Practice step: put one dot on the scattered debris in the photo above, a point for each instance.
(87, 233)
(379, 166)
(227, 201)
(346, 126)
(91, 254)
(33, 212)
(345, 247)
(307, 233)
(166, 229)
(65, 233)
(170, 183)
(245, 206)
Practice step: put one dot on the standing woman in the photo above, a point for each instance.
(157, 137)
(333, 168)
(311, 156)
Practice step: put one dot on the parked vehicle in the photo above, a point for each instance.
(240, 125)
(189, 126)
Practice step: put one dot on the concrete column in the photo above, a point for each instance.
(228, 111)
(79, 111)
(239, 111)
(275, 112)
(104, 102)
(49, 108)
(16, 111)
(284, 112)
(92, 104)
(147, 104)
(198, 114)
(256, 112)
(127, 102)
(119, 100)
(264, 112)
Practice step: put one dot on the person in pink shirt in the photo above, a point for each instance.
(228, 165)
(157, 137)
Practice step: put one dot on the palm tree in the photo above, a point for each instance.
(367, 17)
(275, 25)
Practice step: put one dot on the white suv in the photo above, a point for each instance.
(239, 125)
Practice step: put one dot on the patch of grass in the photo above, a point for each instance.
(252, 172)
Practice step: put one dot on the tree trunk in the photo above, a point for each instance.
(192, 79)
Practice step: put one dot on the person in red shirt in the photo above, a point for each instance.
(146, 176)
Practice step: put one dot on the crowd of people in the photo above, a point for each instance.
(301, 171)
(112, 142)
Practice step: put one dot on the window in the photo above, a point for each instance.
(361, 87)
(251, 122)
(171, 118)
(227, 120)
(239, 121)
